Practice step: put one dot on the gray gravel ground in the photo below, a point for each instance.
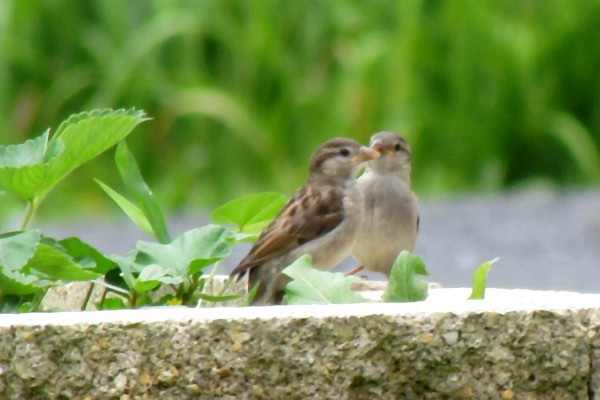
(545, 239)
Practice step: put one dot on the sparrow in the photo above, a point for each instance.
(322, 219)
(391, 221)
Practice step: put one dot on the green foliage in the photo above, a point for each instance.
(404, 282)
(32, 169)
(488, 93)
(479, 278)
(146, 212)
(311, 286)
(31, 263)
(250, 214)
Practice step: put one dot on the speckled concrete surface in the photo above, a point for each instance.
(514, 344)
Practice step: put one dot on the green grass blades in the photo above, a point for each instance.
(250, 214)
(140, 192)
(404, 282)
(144, 211)
(311, 286)
(479, 279)
(135, 214)
(476, 100)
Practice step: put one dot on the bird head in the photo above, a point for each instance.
(395, 153)
(339, 160)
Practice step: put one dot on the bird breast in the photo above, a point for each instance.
(332, 248)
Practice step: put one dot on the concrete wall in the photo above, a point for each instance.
(514, 344)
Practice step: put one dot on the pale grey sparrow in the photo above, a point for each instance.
(391, 221)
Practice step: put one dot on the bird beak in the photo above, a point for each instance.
(366, 154)
(382, 148)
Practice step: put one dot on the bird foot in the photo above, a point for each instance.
(355, 270)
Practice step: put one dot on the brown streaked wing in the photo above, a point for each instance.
(311, 213)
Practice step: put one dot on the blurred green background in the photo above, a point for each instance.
(490, 94)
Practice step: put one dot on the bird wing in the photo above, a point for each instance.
(311, 213)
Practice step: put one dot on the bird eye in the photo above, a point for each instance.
(397, 147)
(344, 152)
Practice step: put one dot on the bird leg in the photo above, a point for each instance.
(355, 270)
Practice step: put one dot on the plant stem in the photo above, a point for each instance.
(112, 288)
(88, 295)
(31, 208)
(133, 299)
(102, 298)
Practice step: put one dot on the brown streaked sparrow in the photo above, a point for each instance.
(322, 219)
(391, 222)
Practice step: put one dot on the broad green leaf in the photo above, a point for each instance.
(29, 153)
(250, 214)
(86, 256)
(198, 265)
(209, 242)
(404, 284)
(149, 278)
(22, 170)
(479, 279)
(14, 282)
(141, 193)
(311, 286)
(132, 211)
(16, 248)
(78, 139)
(50, 263)
(88, 134)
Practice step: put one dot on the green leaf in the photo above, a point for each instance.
(50, 263)
(88, 134)
(149, 278)
(404, 284)
(251, 214)
(141, 193)
(209, 242)
(16, 248)
(479, 279)
(311, 286)
(22, 170)
(29, 153)
(14, 282)
(78, 139)
(132, 211)
(86, 256)
(129, 268)
(198, 265)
